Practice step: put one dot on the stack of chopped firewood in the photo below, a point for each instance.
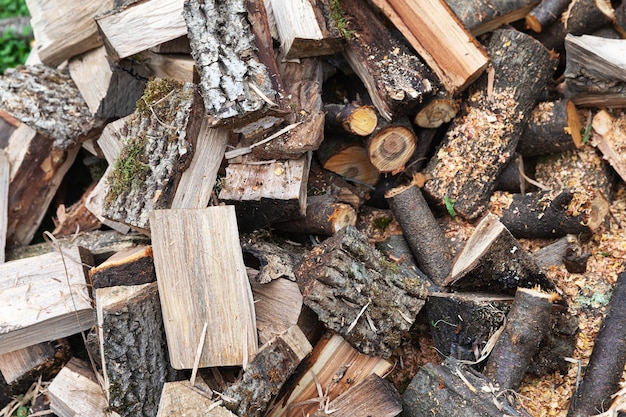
(315, 207)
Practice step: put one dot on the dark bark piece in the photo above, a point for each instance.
(353, 118)
(526, 325)
(322, 181)
(391, 146)
(426, 239)
(231, 74)
(266, 374)
(274, 261)
(48, 101)
(133, 347)
(356, 292)
(551, 213)
(478, 145)
(545, 13)
(558, 344)
(607, 360)
(481, 16)
(396, 79)
(130, 267)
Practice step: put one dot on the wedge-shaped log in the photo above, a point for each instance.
(277, 307)
(206, 283)
(58, 299)
(152, 21)
(182, 398)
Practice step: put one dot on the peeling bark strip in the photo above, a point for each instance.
(478, 146)
(358, 293)
(231, 75)
(48, 101)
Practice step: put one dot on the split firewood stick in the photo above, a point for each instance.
(480, 16)
(526, 324)
(607, 359)
(391, 146)
(352, 117)
(545, 13)
(425, 237)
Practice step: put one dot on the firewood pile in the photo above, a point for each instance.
(310, 208)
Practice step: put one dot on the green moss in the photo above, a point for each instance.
(338, 16)
(153, 99)
(381, 223)
(131, 169)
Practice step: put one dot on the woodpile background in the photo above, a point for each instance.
(315, 207)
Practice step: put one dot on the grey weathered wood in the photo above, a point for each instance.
(183, 399)
(18, 363)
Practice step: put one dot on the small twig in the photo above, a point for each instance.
(246, 150)
(260, 94)
(196, 361)
(358, 316)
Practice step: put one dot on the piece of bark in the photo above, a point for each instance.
(455, 391)
(593, 73)
(58, 299)
(336, 366)
(426, 239)
(374, 396)
(37, 167)
(111, 90)
(607, 360)
(481, 17)
(223, 48)
(353, 118)
(396, 78)
(205, 285)
(4, 201)
(277, 306)
(306, 28)
(611, 140)
(546, 12)
(551, 213)
(273, 260)
(56, 39)
(76, 218)
(553, 126)
(391, 146)
(76, 392)
(347, 157)
(478, 145)
(152, 21)
(356, 292)
(48, 101)
(129, 267)
(132, 347)
(438, 110)
(526, 324)
(266, 374)
(266, 193)
(159, 139)
(177, 66)
(183, 399)
(493, 260)
(440, 39)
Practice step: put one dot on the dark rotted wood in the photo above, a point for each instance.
(355, 119)
(545, 13)
(552, 213)
(396, 78)
(322, 181)
(607, 360)
(356, 292)
(426, 239)
(481, 16)
(266, 374)
(391, 146)
(130, 267)
(557, 344)
(526, 324)
(438, 390)
(554, 126)
(478, 145)
(274, 260)
(494, 261)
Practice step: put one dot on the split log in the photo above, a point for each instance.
(551, 213)
(277, 306)
(374, 396)
(593, 73)
(152, 21)
(129, 267)
(440, 39)
(132, 347)
(553, 126)
(353, 118)
(307, 28)
(546, 12)
(438, 110)
(182, 398)
(347, 157)
(265, 375)
(111, 90)
(481, 17)
(396, 79)
(273, 260)
(58, 299)
(478, 146)
(48, 101)
(235, 85)
(178, 67)
(607, 359)
(526, 325)
(268, 192)
(335, 366)
(56, 39)
(493, 260)
(206, 285)
(356, 292)
(24, 366)
(611, 140)
(426, 239)
(4, 201)
(76, 392)
(391, 146)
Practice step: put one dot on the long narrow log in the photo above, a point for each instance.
(481, 16)
(354, 118)
(545, 13)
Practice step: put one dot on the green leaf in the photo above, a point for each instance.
(587, 133)
(449, 205)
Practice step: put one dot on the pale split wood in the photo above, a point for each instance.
(4, 201)
(177, 66)
(202, 277)
(16, 364)
(611, 140)
(184, 399)
(95, 203)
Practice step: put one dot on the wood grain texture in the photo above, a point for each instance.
(202, 278)
(180, 398)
